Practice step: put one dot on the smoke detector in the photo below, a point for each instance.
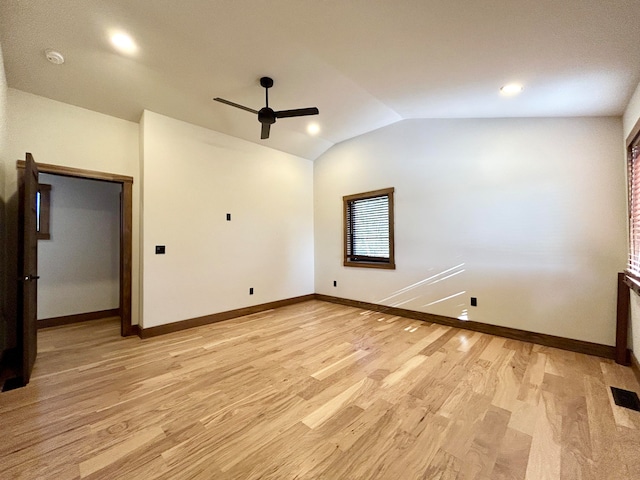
(54, 57)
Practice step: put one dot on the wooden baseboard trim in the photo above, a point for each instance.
(80, 317)
(219, 317)
(572, 345)
(135, 330)
(563, 343)
(635, 365)
(130, 330)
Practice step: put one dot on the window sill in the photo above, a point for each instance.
(632, 282)
(385, 266)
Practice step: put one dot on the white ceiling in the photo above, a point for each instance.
(364, 63)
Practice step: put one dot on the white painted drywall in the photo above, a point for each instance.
(630, 118)
(527, 215)
(193, 177)
(61, 134)
(79, 266)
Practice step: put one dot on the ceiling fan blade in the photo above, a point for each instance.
(237, 105)
(266, 128)
(298, 112)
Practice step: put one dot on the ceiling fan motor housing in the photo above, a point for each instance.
(266, 115)
(266, 82)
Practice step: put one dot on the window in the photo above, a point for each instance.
(634, 207)
(43, 211)
(368, 229)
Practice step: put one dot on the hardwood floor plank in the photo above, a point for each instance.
(606, 449)
(119, 451)
(512, 456)
(346, 437)
(545, 454)
(577, 456)
(415, 454)
(482, 455)
(322, 414)
(339, 364)
(315, 391)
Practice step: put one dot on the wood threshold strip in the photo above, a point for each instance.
(563, 343)
(79, 317)
(219, 317)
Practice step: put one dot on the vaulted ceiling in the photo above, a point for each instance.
(364, 63)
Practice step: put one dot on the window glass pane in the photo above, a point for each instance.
(634, 208)
(371, 227)
(38, 202)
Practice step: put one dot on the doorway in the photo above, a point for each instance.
(125, 234)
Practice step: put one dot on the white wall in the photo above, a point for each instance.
(79, 266)
(193, 177)
(61, 134)
(630, 118)
(527, 215)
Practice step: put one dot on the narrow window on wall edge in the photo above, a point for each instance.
(43, 212)
(368, 229)
(633, 266)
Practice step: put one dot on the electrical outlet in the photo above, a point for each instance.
(474, 302)
(160, 249)
(251, 291)
(335, 283)
(228, 217)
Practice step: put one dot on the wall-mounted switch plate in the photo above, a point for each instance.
(474, 302)
(335, 283)
(251, 291)
(228, 217)
(160, 249)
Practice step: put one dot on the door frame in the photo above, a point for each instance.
(126, 231)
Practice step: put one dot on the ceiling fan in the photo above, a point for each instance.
(266, 115)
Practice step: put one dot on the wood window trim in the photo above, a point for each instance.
(632, 281)
(44, 215)
(634, 134)
(346, 200)
(633, 201)
(629, 280)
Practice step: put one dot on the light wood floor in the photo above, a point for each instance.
(315, 391)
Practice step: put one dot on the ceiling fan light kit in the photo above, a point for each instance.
(266, 115)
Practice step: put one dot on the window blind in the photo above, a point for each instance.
(368, 229)
(634, 207)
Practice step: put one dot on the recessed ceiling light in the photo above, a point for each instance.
(313, 129)
(511, 89)
(123, 43)
(54, 57)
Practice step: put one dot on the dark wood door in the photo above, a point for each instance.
(28, 267)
